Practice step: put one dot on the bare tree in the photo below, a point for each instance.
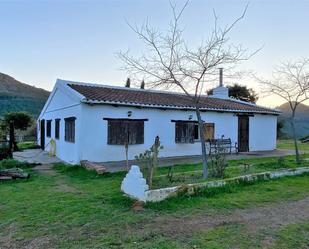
(170, 62)
(290, 82)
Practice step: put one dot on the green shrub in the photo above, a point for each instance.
(5, 153)
(217, 165)
(281, 162)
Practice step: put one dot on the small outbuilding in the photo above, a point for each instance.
(83, 121)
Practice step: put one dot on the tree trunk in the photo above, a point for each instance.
(203, 144)
(12, 143)
(294, 138)
(150, 174)
(127, 156)
(154, 160)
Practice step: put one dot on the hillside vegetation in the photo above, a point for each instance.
(301, 120)
(16, 96)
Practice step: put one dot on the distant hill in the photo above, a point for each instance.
(301, 120)
(16, 96)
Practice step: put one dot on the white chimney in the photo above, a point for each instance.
(220, 76)
(220, 92)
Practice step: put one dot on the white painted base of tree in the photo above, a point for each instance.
(137, 189)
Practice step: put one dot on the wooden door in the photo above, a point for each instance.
(209, 131)
(42, 128)
(243, 133)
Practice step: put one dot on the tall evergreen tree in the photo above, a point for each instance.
(16, 121)
(128, 82)
(143, 85)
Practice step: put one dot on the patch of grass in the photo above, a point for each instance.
(226, 236)
(288, 144)
(27, 145)
(192, 173)
(239, 236)
(293, 236)
(11, 163)
(97, 215)
(237, 196)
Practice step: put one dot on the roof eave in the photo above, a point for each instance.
(89, 101)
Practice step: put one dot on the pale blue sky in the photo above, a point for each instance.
(77, 40)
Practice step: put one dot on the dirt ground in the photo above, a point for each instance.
(61, 184)
(255, 219)
(45, 169)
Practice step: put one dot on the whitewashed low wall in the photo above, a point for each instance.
(134, 185)
(157, 195)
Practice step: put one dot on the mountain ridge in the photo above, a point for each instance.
(301, 110)
(301, 120)
(18, 96)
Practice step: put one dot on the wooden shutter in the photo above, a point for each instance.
(73, 131)
(110, 131)
(190, 132)
(136, 132)
(140, 132)
(48, 128)
(209, 131)
(131, 131)
(57, 128)
(69, 129)
(120, 131)
(115, 128)
(184, 132)
(178, 131)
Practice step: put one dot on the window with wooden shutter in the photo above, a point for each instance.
(209, 131)
(196, 132)
(121, 131)
(135, 132)
(184, 132)
(48, 128)
(57, 128)
(69, 129)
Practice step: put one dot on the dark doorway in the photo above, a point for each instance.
(243, 133)
(42, 128)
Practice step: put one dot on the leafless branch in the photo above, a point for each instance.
(170, 62)
(291, 82)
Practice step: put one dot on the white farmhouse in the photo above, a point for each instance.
(92, 122)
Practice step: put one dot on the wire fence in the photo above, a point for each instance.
(19, 139)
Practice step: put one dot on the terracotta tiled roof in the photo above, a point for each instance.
(137, 97)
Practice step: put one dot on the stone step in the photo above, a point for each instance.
(100, 169)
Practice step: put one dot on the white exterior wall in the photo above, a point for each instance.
(62, 105)
(91, 130)
(262, 132)
(94, 145)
